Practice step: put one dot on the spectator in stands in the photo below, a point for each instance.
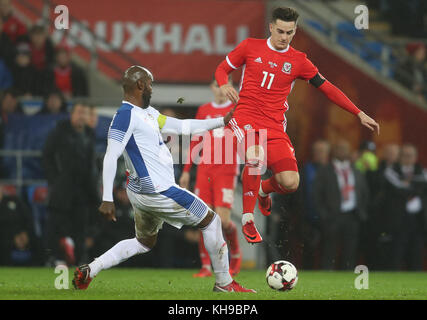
(69, 161)
(17, 240)
(12, 26)
(42, 50)
(405, 211)
(311, 226)
(6, 80)
(379, 236)
(341, 197)
(7, 49)
(93, 117)
(367, 160)
(9, 104)
(412, 73)
(66, 76)
(24, 74)
(54, 103)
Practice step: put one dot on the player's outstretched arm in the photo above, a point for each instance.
(173, 125)
(340, 99)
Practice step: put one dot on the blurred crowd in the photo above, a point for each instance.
(31, 65)
(407, 18)
(354, 207)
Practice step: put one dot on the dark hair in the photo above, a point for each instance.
(285, 14)
(45, 110)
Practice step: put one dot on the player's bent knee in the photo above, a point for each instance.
(148, 241)
(207, 220)
(289, 181)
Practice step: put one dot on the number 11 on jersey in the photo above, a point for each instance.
(266, 74)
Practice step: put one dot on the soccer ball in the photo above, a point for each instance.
(281, 275)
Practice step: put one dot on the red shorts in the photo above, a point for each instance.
(215, 188)
(279, 154)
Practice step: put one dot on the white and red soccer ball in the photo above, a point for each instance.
(281, 275)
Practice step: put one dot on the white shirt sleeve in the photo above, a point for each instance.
(190, 126)
(114, 150)
(120, 131)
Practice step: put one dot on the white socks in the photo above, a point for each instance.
(218, 251)
(246, 217)
(122, 251)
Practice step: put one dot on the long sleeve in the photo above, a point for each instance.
(114, 150)
(338, 97)
(193, 143)
(118, 136)
(189, 126)
(235, 59)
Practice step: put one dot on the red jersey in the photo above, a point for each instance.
(218, 148)
(268, 77)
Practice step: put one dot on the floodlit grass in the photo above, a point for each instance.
(167, 284)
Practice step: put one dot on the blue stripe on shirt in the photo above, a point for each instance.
(136, 158)
(120, 123)
(186, 200)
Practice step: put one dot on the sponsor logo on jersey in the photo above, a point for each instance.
(258, 60)
(287, 67)
(247, 127)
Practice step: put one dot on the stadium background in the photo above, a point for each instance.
(182, 47)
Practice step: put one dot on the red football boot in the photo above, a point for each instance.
(81, 277)
(232, 287)
(264, 205)
(251, 233)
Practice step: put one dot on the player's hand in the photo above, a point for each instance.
(108, 210)
(229, 91)
(368, 122)
(184, 180)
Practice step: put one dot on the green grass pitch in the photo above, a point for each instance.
(168, 284)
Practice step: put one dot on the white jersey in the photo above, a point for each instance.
(136, 132)
(147, 158)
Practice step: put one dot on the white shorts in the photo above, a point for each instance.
(176, 206)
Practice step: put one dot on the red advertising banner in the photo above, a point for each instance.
(178, 40)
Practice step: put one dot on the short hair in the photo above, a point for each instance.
(285, 14)
(79, 103)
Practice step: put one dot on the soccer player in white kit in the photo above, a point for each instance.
(136, 131)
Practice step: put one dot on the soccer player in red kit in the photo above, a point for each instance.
(270, 68)
(216, 176)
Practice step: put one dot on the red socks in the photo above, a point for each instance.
(250, 186)
(230, 235)
(271, 185)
